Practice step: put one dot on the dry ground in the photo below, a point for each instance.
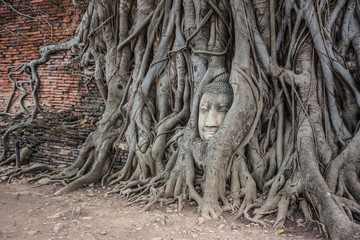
(33, 213)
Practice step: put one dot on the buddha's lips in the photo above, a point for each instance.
(210, 130)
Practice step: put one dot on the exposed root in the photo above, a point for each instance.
(282, 212)
(37, 167)
(157, 194)
(24, 156)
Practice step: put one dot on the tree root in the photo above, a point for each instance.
(34, 168)
(158, 193)
(24, 156)
(246, 215)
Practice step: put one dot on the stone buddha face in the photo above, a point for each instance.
(215, 102)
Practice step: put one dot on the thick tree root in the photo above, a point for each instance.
(24, 157)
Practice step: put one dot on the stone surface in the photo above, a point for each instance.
(43, 181)
(32, 233)
(57, 227)
(4, 178)
(76, 211)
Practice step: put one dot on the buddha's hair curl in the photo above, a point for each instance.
(220, 84)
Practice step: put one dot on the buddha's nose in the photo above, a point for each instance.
(213, 119)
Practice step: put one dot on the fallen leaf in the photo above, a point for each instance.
(280, 231)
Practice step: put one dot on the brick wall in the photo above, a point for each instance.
(69, 111)
(47, 22)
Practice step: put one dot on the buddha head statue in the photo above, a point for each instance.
(215, 102)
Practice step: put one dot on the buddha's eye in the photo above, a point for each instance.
(223, 109)
(204, 109)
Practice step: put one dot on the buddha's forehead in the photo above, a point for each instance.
(216, 98)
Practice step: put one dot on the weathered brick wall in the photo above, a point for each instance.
(37, 23)
(69, 111)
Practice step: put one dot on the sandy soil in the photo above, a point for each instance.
(33, 213)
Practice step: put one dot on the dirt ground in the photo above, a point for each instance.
(29, 212)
